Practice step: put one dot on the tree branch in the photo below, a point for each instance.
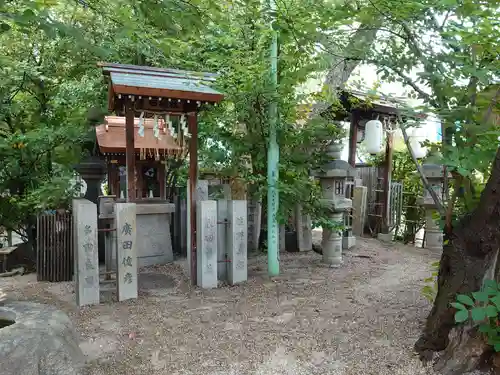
(427, 185)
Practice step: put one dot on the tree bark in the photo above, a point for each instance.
(468, 259)
(346, 61)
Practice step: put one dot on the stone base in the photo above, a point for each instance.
(434, 240)
(385, 237)
(40, 341)
(348, 242)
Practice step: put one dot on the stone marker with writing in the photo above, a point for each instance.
(126, 245)
(206, 240)
(222, 249)
(303, 223)
(86, 257)
(282, 238)
(237, 241)
(201, 194)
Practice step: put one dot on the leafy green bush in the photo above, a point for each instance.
(429, 291)
(483, 308)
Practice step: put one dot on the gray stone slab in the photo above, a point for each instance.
(86, 252)
(222, 249)
(206, 241)
(126, 238)
(154, 243)
(282, 234)
(304, 229)
(237, 241)
(254, 210)
(201, 192)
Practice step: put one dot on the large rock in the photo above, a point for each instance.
(41, 341)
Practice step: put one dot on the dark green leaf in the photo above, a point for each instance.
(465, 299)
(491, 311)
(461, 316)
(496, 346)
(480, 296)
(458, 306)
(478, 314)
(496, 301)
(485, 328)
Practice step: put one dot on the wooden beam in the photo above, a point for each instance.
(130, 150)
(193, 179)
(387, 183)
(166, 93)
(161, 180)
(353, 138)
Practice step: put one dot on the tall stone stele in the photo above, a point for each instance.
(333, 176)
(433, 235)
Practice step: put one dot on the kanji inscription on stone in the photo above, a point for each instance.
(86, 257)
(206, 239)
(126, 229)
(237, 241)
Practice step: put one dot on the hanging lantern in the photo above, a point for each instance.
(374, 137)
(416, 138)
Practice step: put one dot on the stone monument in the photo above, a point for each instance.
(86, 255)
(237, 241)
(433, 235)
(303, 223)
(126, 251)
(206, 241)
(333, 176)
(201, 192)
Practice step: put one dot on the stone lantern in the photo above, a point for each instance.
(435, 176)
(333, 176)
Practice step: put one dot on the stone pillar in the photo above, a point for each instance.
(86, 252)
(332, 243)
(254, 223)
(222, 243)
(237, 241)
(333, 176)
(201, 192)
(435, 177)
(126, 251)
(206, 239)
(282, 238)
(303, 223)
(359, 210)
(433, 235)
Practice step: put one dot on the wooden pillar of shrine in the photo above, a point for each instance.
(130, 149)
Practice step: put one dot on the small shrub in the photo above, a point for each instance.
(483, 309)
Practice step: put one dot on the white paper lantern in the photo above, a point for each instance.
(374, 136)
(417, 136)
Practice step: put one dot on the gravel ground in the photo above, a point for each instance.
(361, 319)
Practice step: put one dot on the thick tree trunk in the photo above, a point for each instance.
(468, 259)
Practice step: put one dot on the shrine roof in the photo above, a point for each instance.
(111, 137)
(160, 82)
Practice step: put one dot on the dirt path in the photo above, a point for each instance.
(360, 319)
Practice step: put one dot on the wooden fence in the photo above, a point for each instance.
(54, 244)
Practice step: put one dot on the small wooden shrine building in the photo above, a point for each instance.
(151, 153)
(141, 94)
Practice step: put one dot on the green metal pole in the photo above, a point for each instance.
(273, 265)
